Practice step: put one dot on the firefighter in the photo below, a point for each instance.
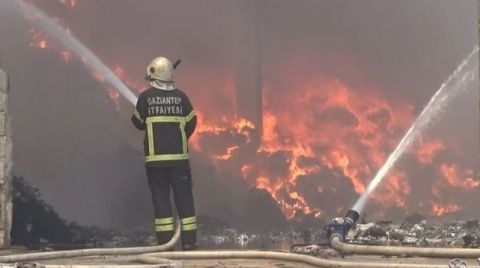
(168, 119)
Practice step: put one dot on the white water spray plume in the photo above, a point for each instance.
(55, 31)
(456, 83)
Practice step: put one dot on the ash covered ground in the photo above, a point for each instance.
(37, 225)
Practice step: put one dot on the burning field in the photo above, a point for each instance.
(326, 123)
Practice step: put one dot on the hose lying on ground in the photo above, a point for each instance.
(160, 257)
(38, 265)
(91, 252)
(337, 244)
(165, 259)
(160, 265)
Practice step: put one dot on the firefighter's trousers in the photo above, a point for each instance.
(179, 179)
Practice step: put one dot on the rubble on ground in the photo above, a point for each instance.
(462, 233)
(37, 225)
(415, 231)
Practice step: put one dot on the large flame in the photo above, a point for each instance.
(451, 175)
(326, 137)
(428, 149)
(439, 209)
(342, 129)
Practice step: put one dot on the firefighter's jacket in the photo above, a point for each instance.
(168, 118)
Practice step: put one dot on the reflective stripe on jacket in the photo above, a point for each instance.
(169, 120)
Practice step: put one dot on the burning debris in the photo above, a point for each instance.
(36, 224)
(420, 233)
(301, 163)
(415, 231)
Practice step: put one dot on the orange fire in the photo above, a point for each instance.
(114, 96)
(324, 124)
(66, 55)
(69, 3)
(429, 149)
(394, 191)
(350, 146)
(42, 43)
(139, 86)
(231, 126)
(343, 130)
(38, 39)
(440, 210)
(243, 126)
(453, 178)
(229, 153)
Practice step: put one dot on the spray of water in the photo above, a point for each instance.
(55, 31)
(455, 84)
(458, 82)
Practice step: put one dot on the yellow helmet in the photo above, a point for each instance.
(161, 69)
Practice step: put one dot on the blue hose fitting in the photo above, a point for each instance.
(339, 227)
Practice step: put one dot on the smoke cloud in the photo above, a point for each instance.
(341, 78)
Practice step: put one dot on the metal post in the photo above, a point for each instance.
(5, 163)
(248, 62)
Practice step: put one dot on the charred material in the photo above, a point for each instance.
(457, 234)
(37, 225)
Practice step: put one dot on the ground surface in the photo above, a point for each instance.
(242, 263)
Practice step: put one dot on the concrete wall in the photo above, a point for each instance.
(5, 163)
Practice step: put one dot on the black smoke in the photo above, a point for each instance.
(85, 157)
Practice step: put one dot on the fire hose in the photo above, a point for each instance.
(166, 259)
(153, 256)
(91, 252)
(337, 231)
(160, 257)
(339, 245)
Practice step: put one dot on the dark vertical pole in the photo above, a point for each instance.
(248, 62)
(5, 163)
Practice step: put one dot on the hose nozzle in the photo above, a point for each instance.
(339, 227)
